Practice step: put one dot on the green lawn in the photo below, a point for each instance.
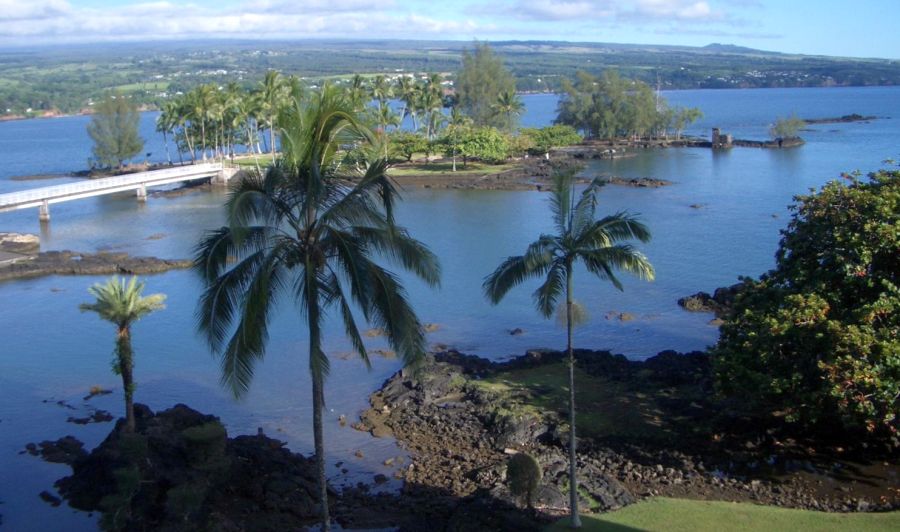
(249, 161)
(446, 167)
(673, 515)
(606, 408)
(143, 86)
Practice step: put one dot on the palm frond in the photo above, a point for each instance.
(547, 295)
(623, 257)
(396, 244)
(612, 229)
(512, 272)
(390, 310)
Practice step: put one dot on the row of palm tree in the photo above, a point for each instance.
(311, 228)
(212, 121)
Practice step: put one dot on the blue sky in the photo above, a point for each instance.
(865, 28)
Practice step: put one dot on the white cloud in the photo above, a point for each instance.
(15, 10)
(57, 21)
(612, 10)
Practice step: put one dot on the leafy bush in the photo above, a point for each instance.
(403, 145)
(817, 339)
(487, 144)
(524, 475)
(786, 128)
(546, 138)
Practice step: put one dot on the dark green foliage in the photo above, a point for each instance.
(610, 106)
(185, 501)
(206, 446)
(817, 339)
(114, 130)
(133, 446)
(482, 84)
(523, 472)
(116, 507)
(546, 138)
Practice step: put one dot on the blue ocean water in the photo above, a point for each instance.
(51, 352)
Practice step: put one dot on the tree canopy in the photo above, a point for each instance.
(817, 339)
(114, 130)
(611, 107)
(480, 84)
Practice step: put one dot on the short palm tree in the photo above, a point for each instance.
(122, 304)
(309, 230)
(509, 106)
(578, 237)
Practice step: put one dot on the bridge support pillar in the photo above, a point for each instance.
(142, 193)
(224, 175)
(44, 211)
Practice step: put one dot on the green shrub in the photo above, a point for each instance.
(817, 339)
(523, 472)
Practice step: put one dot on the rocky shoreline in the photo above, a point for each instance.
(76, 263)
(180, 469)
(460, 434)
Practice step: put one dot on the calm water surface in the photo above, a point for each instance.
(51, 352)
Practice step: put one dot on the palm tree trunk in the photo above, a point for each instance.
(126, 365)
(272, 136)
(166, 141)
(318, 404)
(573, 480)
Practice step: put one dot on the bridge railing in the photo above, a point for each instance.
(37, 194)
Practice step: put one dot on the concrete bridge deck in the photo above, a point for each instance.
(44, 196)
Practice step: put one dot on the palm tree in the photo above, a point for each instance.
(381, 89)
(308, 229)
(273, 94)
(122, 304)
(408, 91)
(166, 123)
(510, 106)
(579, 237)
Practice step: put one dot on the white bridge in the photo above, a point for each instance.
(44, 196)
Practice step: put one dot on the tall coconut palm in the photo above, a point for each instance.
(309, 229)
(579, 237)
(122, 304)
(272, 96)
(166, 123)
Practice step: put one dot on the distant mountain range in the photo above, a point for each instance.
(67, 77)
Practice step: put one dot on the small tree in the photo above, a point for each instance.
(524, 475)
(486, 144)
(122, 304)
(114, 130)
(786, 128)
(403, 145)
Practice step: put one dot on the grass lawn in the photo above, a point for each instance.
(673, 515)
(249, 161)
(446, 167)
(605, 407)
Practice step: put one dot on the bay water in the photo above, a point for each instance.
(719, 219)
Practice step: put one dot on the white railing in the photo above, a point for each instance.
(112, 184)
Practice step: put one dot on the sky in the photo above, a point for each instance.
(861, 28)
